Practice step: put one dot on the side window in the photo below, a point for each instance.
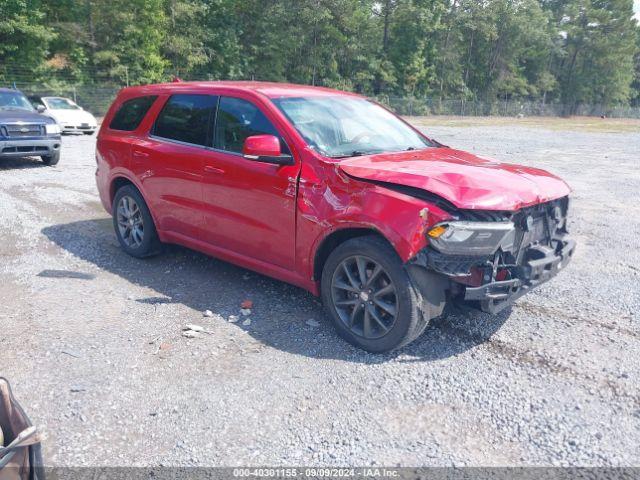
(238, 119)
(186, 118)
(36, 102)
(131, 113)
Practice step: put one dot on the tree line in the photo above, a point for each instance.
(570, 52)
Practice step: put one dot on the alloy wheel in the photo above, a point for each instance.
(364, 297)
(130, 222)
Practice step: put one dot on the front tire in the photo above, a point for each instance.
(370, 297)
(133, 223)
(52, 159)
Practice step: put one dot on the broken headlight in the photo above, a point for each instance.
(472, 238)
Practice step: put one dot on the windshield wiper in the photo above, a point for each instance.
(355, 153)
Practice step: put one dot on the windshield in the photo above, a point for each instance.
(14, 101)
(348, 126)
(56, 103)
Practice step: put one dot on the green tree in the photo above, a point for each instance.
(596, 64)
(410, 47)
(184, 45)
(24, 36)
(131, 35)
(555, 51)
(636, 82)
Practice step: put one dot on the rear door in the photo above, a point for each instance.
(249, 206)
(124, 125)
(171, 159)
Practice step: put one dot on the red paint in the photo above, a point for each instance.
(273, 218)
(262, 145)
(466, 180)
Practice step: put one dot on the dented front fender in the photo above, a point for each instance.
(329, 201)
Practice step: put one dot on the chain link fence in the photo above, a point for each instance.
(502, 108)
(96, 98)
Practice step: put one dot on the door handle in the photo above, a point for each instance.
(139, 154)
(211, 169)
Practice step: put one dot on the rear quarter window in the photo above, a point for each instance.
(131, 113)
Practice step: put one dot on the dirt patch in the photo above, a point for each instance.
(572, 124)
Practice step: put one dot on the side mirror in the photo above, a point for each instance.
(265, 148)
(40, 108)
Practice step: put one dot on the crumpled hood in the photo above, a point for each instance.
(15, 116)
(464, 179)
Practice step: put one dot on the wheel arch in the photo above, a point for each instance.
(336, 238)
(119, 181)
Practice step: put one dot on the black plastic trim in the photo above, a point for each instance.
(497, 295)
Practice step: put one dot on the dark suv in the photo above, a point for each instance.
(26, 132)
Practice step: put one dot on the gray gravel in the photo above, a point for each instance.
(91, 339)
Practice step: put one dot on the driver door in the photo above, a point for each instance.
(249, 206)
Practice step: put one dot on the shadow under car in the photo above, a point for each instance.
(180, 275)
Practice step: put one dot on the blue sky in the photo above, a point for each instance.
(636, 8)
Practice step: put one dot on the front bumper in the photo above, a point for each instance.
(492, 284)
(26, 147)
(78, 128)
(545, 264)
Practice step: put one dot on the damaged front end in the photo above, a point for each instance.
(492, 258)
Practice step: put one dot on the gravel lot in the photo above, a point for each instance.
(91, 339)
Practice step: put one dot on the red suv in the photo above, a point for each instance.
(331, 192)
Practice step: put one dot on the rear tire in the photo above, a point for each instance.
(133, 223)
(52, 159)
(380, 312)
